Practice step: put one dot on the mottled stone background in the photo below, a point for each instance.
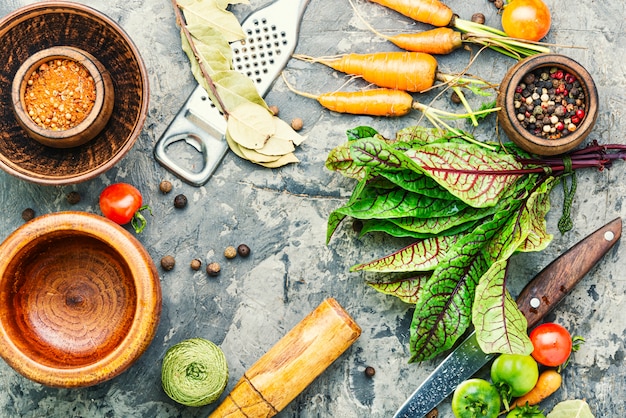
(281, 214)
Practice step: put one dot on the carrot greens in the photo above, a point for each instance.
(468, 209)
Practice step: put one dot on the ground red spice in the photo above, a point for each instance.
(59, 94)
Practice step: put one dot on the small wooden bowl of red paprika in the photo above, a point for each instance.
(548, 104)
(62, 96)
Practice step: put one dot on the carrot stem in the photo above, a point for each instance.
(498, 40)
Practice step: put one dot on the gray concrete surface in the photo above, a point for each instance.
(281, 214)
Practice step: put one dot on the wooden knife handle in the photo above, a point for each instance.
(291, 364)
(555, 281)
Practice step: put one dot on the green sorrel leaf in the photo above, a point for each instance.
(405, 289)
(423, 255)
(471, 173)
(500, 326)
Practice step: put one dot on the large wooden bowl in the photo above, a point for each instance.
(47, 24)
(80, 299)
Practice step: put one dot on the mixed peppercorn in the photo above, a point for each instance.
(550, 103)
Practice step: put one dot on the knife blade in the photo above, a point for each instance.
(536, 300)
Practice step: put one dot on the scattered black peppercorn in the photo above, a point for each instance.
(370, 371)
(168, 262)
(180, 201)
(73, 197)
(196, 264)
(165, 187)
(213, 269)
(357, 226)
(28, 214)
(243, 250)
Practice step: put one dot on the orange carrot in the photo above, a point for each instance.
(438, 41)
(433, 12)
(548, 383)
(375, 102)
(409, 71)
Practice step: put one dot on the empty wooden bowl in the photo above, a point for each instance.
(80, 299)
(508, 114)
(62, 96)
(43, 25)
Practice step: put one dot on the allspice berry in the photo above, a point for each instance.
(243, 250)
(213, 269)
(196, 264)
(165, 187)
(180, 201)
(370, 371)
(274, 110)
(73, 197)
(297, 124)
(478, 18)
(28, 214)
(168, 262)
(230, 252)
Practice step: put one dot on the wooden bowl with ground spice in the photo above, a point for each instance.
(49, 24)
(548, 104)
(80, 299)
(62, 96)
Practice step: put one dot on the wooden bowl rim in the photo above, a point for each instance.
(515, 75)
(59, 6)
(147, 287)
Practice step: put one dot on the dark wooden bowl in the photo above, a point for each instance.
(93, 123)
(80, 299)
(43, 25)
(520, 135)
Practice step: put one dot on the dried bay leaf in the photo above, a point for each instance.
(257, 157)
(235, 89)
(576, 408)
(250, 125)
(286, 132)
(213, 13)
(284, 160)
(276, 146)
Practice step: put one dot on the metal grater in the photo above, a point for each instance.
(271, 37)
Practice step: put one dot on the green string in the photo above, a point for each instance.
(566, 223)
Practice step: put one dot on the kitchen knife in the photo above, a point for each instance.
(538, 298)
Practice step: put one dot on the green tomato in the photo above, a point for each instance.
(476, 398)
(517, 373)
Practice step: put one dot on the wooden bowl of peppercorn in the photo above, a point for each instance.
(38, 27)
(80, 299)
(548, 104)
(62, 96)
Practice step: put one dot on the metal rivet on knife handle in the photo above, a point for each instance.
(565, 272)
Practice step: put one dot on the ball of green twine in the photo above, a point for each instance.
(194, 372)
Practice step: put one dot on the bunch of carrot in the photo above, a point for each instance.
(399, 72)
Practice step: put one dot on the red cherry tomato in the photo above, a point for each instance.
(552, 343)
(526, 19)
(122, 203)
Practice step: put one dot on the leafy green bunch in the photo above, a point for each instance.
(469, 209)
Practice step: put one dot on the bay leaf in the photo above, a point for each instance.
(576, 408)
(276, 146)
(235, 89)
(284, 160)
(211, 13)
(250, 125)
(256, 157)
(285, 131)
(234, 147)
